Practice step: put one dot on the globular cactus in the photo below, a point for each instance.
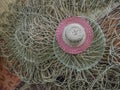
(35, 55)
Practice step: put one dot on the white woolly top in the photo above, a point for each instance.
(74, 35)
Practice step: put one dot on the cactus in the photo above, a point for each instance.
(31, 48)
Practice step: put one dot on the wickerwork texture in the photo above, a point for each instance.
(28, 30)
